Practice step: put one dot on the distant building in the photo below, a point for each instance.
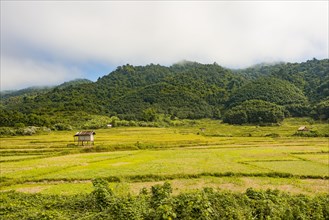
(303, 128)
(84, 137)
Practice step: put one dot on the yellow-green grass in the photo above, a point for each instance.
(61, 188)
(175, 153)
(37, 167)
(237, 184)
(15, 158)
(320, 158)
(216, 133)
(295, 167)
(50, 140)
(165, 162)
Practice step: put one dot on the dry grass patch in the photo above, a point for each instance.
(293, 186)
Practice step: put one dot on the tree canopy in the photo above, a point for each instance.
(254, 112)
(269, 89)
(184, 90)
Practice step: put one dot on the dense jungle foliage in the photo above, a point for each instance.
(254, 112)
(269, 89)
(159, 203)
(186, 90)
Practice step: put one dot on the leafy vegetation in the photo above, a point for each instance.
(159, 203)
(208, 172)
(322, 110)
(185, 90)
(269, 89)
(254, 112)
(141, 154)
(145, 136)
(18, 95)
(311, 76)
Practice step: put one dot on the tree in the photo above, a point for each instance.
(254, 112)
(322, 110)
(150, 114)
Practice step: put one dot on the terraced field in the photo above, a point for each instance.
(222, 156)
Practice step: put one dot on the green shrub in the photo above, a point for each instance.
(31, 130)
(160, 203)
(98, 121)
(27, 130)
(273, 135)
(62, 127)
(102, 193)
(307, 134)
(7, 131)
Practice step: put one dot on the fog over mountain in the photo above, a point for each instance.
(49, 42)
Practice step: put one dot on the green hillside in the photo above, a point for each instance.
(184, 90)
(37, 90)
(312, 76)
(269, 89)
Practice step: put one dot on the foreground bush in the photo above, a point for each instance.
(159, 203)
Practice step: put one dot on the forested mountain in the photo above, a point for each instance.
(38, 90)
(312, 76)
(269, 89)
(184, 90)
(273, 90)
(30, 91)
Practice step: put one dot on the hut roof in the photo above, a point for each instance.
(85, 133)
(303, 128)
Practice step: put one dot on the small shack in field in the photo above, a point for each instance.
(303, 128)
(84, 137)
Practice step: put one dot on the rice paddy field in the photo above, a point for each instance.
(229, 158)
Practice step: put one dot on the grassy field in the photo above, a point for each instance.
(222, 156)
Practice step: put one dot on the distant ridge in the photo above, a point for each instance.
(184, 90)
(36, 90)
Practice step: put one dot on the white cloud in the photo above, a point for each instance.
(21, 73)
(232, 33)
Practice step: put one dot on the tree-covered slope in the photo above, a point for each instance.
(37, 90)
(17, 97)
(269, 89)
(185, 90)
(164, 98)
(30, 91)
(312, 76)
(190, 87)
(254, 112)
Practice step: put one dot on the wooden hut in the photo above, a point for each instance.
(84, 137)
(303, 128)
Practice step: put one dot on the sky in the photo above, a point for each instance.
(50, 42)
